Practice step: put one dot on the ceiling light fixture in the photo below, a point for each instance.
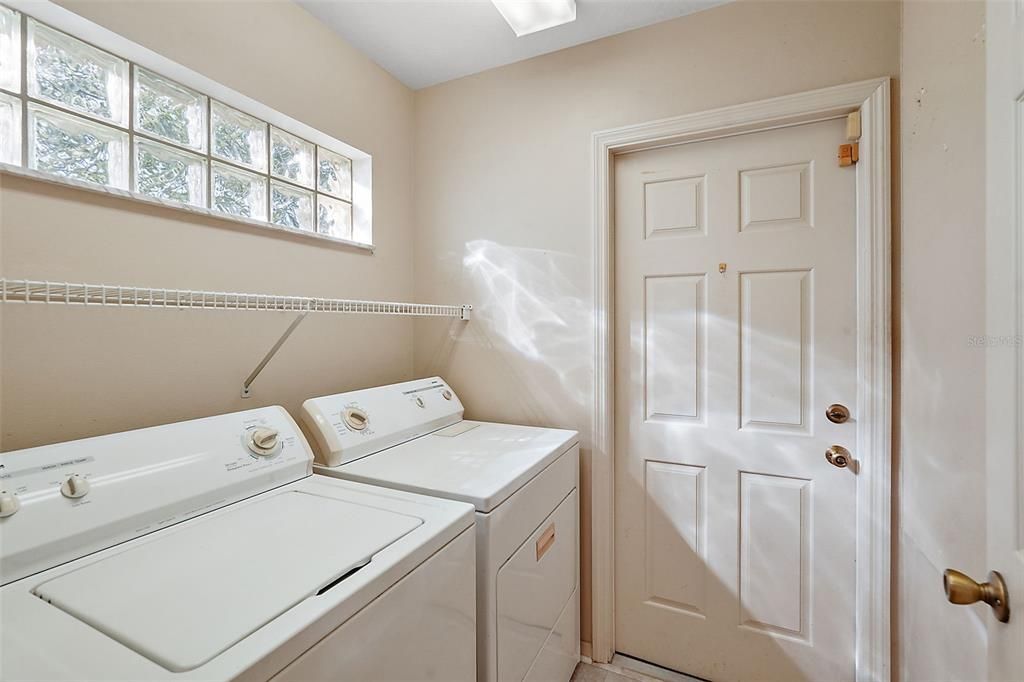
(530, 16)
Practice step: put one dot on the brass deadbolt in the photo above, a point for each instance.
(837, 414)
(962, 589)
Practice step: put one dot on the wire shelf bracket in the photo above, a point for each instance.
(246, 393)
(78, 294)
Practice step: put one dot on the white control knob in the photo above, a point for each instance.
(446, 394)
(356, 419)
(263, 441)
(74, 487)
(9, 504)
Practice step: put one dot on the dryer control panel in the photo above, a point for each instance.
(348, 426)
(60, 502)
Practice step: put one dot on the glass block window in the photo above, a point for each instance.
(88, 115)
(291, 206)
(239, 138)
(76, 148)
(10, 129)
(333, 217)
(334, 174)
(238, 192)
(170, 174)
(10, 50)
(169, 111)
(291, 158)
(69, 73)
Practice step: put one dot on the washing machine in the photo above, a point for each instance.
(523, 482)
(207, 550)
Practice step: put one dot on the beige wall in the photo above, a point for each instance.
(942, 389)
(503, 189)
(69, 373)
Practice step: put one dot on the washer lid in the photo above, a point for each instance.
(476, 462)
(193, 592)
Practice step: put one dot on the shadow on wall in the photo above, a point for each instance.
(531, 338)
(527, 355)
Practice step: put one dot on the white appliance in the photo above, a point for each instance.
(523, 482)
(207, 550)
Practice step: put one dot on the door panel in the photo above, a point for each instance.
(776, 197)
(674, 352)
(774, 554)
(675, 509)
(735, 329)
(775, 344)
(674, 206)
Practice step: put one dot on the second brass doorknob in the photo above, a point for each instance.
(962, 589)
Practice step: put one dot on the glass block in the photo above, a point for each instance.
(10, 50)
(239, 193)
(333, 217)
(291, 206)
(76, 148)
(10, 129)
(239, 137)
(291, 158)
(169, 174)
(169, 111)
(334, 174)
(76, 76)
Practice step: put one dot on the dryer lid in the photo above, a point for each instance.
(476, 462)
(192, 592)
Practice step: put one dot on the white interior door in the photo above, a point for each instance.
(735, 330)
(1005, 377)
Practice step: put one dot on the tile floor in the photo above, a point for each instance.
(624, 669)
(588, 672)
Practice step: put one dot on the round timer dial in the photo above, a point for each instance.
(356, 419)
(263, 441)
(9, 504)
(74, 486)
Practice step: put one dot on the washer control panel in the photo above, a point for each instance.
(348, 426)
(62, 501)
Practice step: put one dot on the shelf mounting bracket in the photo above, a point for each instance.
(246, 392)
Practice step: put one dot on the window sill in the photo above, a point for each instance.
(194, 210)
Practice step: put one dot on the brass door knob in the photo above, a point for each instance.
(838, 456)
(962, 589)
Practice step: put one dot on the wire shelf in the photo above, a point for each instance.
(37, 291)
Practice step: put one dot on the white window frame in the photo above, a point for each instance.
(78, 27)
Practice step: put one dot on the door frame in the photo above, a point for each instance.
(1004, 324)
(874, 340)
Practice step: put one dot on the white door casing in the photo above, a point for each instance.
(872, 513)
(735, 263)
(1004, 317)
